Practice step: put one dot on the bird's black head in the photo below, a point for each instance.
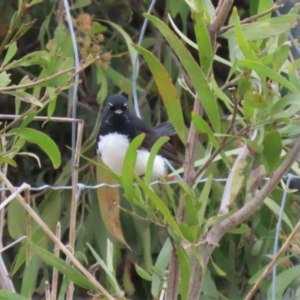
(116, 104)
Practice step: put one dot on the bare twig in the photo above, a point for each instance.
(253, 18)
(28, 221)
(269, 267)
(47, 290)
(72, 230)
(53, 295)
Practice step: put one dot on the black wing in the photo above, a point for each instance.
(167, 150)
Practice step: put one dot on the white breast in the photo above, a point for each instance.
(112, 148)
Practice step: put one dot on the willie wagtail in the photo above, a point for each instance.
(119, 127)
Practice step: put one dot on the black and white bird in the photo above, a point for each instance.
(119, 127)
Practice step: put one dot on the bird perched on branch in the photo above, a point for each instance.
(119, 127)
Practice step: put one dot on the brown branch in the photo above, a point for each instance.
(272, 263)
(219, 19)
(218, 230)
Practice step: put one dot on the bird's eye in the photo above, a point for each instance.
(111, 107)
(125, 106)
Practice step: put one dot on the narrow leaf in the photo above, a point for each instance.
(129, 165)
(205, 50)
(196, 75)
(167, 91)
(109, 204)
(265, 71)
(44, 142)
(70, 272)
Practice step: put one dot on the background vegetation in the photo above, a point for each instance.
(226, 75)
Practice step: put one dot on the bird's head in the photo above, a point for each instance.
(117, 104)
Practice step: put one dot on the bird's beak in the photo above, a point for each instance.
(118, 111)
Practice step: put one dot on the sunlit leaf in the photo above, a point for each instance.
(205, 50)
(8, 160)
(142, 273)
(196, 74)
(255, 100)
(4, 79)
(25, 97)
(263, 70)
(34, 58)
(10, 53)
(267, 28)
(44, 142)
(167, 91)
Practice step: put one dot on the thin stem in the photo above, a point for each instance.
(253, 18)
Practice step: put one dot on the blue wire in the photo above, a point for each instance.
(73, 91)
(135, 61)
(278, 227)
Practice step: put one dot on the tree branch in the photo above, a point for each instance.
(218, 230)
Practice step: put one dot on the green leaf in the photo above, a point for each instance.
(283, 280)
(42, 58)
(272, 149)
(81, 3)
(265, 71)
(22, 30)
(204, 197)
(202, 127)
(33, 263)
(123, 83)
(242, 42)
(33, 2)
(127, 39)
(15, 212)
(205, 50)
(8, 160)
(129, 165)
(44, 142)
(109, 273)
(69, 271)
(7, 295)
(194, 45)
(160, 268)
(284, 102)
(195, 73)
(11, 51)
(275, 208)
(191, 213)
(167, 91)
(25, 97)
(101, 78)
(219, 271)
(267, 28)
(142, 273)
(154, 151)
(253, 99)
(4, 79)
(185, 272)
(159, 204)
(244, 228)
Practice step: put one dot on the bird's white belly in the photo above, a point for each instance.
(113, 147)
